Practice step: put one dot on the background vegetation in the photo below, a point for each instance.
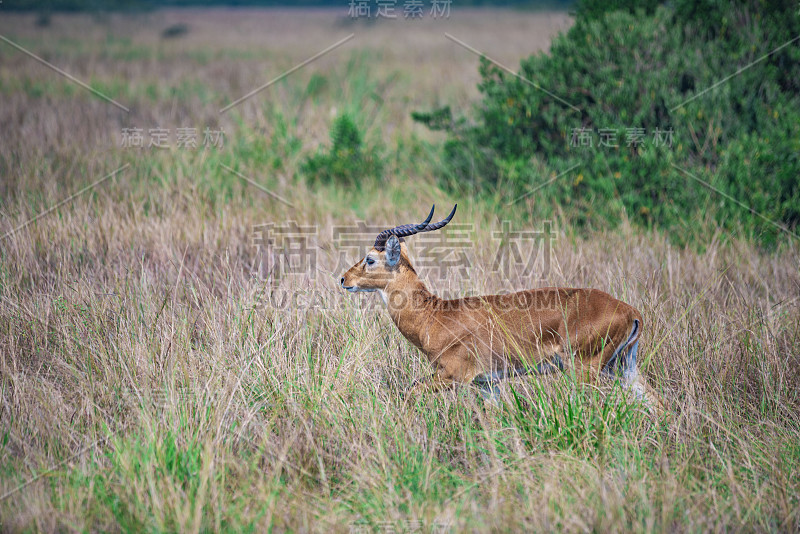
(138, 5)
(732, 146)
(155, 375)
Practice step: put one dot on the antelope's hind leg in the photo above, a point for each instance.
(635, 382)
(623, 366)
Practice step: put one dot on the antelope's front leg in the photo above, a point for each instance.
(453, 366)
(436, 382)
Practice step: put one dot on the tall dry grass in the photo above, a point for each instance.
(154, 379)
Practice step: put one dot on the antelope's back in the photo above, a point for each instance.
(542, 319)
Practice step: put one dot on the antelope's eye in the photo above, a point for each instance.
(369, 260)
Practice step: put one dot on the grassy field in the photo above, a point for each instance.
(157, 374)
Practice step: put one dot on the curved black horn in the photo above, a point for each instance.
(403, 230)
(442, 223)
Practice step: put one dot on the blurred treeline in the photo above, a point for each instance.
(143, 5)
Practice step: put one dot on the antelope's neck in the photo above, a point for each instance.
(411, 306)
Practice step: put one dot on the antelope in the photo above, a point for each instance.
(485, 339)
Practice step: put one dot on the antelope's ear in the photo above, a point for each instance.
(392, 251)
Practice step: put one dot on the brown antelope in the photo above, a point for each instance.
(484, 339)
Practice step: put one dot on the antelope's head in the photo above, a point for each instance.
(388, 257)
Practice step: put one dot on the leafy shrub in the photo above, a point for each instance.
(43, 20)
(348, 161)
(175, 30)
(624, 72)
(594, 9)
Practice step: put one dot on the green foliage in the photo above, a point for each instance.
(166, 463)
(438, 119)
(584, 422)
(706, 148)
(595, 9)
(348, 161)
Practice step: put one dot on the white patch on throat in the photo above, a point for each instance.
(384, 296)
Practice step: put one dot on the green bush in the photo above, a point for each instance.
(347, 161)
(594, 9)
(625, 71)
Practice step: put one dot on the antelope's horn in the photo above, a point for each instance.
(403, 230)
(442, 223)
